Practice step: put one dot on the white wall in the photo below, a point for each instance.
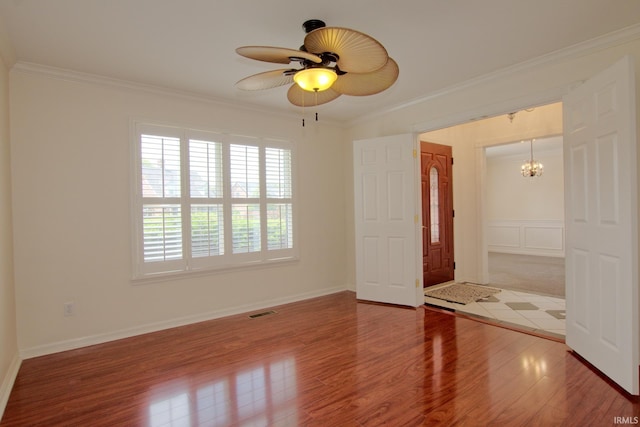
(71, 190)
(9, 360)
(511, 196)
(525, 215)
(539, 82)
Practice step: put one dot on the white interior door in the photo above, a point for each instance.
(601, 223)
(386, 226)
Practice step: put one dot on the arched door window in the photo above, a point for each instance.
(434, 205)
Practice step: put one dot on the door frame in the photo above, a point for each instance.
(543, 98)
(449, 235)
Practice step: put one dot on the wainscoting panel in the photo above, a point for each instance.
(543, 238)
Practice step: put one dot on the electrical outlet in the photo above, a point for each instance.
(69, 308)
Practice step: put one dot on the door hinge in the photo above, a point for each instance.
(454, 265)
(415, 153)
(416, 219)
(452, 160)
(417, 283)
(453, 213)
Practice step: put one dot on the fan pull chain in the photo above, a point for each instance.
(302, 109)
(315, 91)
(303, 106)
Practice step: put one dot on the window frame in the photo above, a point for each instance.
(188, 264)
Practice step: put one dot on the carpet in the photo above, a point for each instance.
(528, 273)
(461, 293)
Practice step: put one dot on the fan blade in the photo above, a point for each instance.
(266, 80)
(303, 98)
(357, 52)
(279, 55)
(367, 83)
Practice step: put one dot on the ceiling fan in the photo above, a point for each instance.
(333, 61)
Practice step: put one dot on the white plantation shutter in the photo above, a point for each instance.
(162, 233)
(244, 169)
(205, 200)
(279, 198)
(278, 172)
(279, 226)
(161, 190)
(207, 203)
(246, 227)
(205, 169)
(160, 166)
(207, 230)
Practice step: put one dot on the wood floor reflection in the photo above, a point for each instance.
(329, 361)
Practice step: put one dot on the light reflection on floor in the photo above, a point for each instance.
(260, 396)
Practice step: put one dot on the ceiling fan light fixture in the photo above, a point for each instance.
(332, 61)
(315, 79)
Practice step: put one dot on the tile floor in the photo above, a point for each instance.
(539, 313)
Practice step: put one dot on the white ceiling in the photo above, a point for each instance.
(189, 45)
(523, 148)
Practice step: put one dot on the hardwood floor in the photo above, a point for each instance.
(329, 361)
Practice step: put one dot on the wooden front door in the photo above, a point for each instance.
(437, 213)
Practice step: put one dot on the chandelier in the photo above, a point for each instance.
(531, 168)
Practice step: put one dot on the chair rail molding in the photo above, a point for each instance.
(527, 237)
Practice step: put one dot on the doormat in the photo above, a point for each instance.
(462, 293)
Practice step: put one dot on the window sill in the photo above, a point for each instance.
(200, 272)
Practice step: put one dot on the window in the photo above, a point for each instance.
(206, 200)
(434, 205)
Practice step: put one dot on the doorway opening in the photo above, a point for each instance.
(524, 218)
(518, 221)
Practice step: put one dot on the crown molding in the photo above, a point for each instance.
(586, 47)
(580, 49)
(100, 80)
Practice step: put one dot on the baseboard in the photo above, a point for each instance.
(8, 381)
(42, 350)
